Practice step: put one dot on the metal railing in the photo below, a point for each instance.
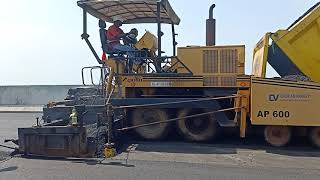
(91, 69)
(152, 66)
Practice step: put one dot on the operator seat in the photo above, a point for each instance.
(104, 39)
(114, 55)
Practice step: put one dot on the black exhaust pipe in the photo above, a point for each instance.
(211, 28)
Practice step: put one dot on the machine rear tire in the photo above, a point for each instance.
(314, 136)
(153, 132)
(277, 136)
(197, 129)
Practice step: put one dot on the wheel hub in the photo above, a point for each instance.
(277, 135)
(146, 116)
(197, 125)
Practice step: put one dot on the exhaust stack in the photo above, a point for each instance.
(211, 28)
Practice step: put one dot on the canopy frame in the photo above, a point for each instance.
(132, 11)
(163, 7)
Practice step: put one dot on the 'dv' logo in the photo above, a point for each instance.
(273, 97)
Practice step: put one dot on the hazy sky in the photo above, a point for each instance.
(40, 39)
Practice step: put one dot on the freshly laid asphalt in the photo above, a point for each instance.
(164, 160)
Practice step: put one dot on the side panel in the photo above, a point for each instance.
(53, 141)
(219, 65)
(260, 54)
(276, 102)
(263, 53)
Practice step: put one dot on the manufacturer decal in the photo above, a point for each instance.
(162, 84)
(274, 114)
(288, 97)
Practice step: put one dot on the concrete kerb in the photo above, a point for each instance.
(21, 109)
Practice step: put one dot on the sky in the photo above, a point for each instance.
(40, 41)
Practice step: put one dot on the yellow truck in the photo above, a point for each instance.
(198, 90)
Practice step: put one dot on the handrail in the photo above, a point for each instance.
(152, 60)
(91, 74)
(82, 73)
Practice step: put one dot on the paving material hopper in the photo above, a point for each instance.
(294, 51)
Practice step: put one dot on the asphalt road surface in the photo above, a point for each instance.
(10, 122)
(166, 160)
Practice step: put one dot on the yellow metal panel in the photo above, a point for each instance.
(260, 55)
(301, 44)
(276, 102)
(192, 58)
(243, 102)
(243, 118)
(218, 64)
(117, 66)
(243, 81)
(212, 60)
(148, 41)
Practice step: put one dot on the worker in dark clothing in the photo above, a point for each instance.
(131, 38)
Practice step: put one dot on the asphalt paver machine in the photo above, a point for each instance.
(194, 94)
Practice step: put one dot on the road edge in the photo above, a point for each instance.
(21, 109)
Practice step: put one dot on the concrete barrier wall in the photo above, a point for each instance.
(33, 95)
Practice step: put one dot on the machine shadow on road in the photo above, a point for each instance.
(87, 161)
(300, 148)
(97, 162)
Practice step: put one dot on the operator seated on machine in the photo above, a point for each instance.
(131, 38)
(115, 34)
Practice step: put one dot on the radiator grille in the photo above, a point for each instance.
(228, 81)
(211, 81)
(210, 61)
(220, 66)
(220, 61)
(228, 61)
(225, 81)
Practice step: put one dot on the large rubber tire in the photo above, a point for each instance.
(314, 136)
(153, 132)
(197, 129)
(277, 136)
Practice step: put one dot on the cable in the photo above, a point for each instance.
(8, 147)
(177, 102)
(178, 119)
